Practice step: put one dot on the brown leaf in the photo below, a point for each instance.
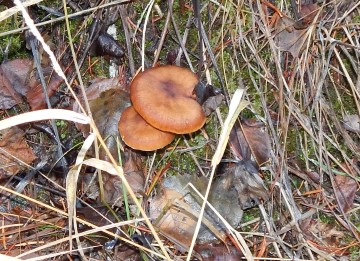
(35, 96)
(345, 190)
(210, 252)
(212, 103)
(307, 15)
(287, 38)
(177, 225)
(238, 143)
(13, 150)
(258, 139)
(134, 175)
(98, 215)
(127, 253)
(251, 138)
(107, 99)
(325, 236)
(314, 176)
(13, 77)
(175, 212)
(99, 85)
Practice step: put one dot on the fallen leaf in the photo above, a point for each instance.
(209, 97)
(13, 82)
(258, 139)
(106, 111)
(325, 236)
(212, 103)
(99, 216)
(35, 96)
(249, 187)
(345, 190)
(127, 253)
(174, 223)
(287, 38)
(133, 171)
(18, 79)
(251, 138)
(204, 92)
(352, 123)
(211, 252)
(307, 14)
(238, 144)
(314, 176)
(13, 150)
(107, 99)
(174, 210)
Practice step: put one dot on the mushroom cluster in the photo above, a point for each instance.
(163, 105)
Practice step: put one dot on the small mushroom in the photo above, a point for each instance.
(163, 96)
(140, 135)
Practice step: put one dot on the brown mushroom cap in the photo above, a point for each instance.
(163, 96)
(139, 135)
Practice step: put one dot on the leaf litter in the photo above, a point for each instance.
(13, 85)
(107, 99)
(174, 209)
(15, 153)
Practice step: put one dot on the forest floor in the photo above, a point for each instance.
(276, 158)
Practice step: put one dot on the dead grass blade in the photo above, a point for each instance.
(40, 115)
(236, 106)
(71, 188)
(13, 10)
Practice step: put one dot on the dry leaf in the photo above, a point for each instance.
(211, 252)
(251, 138)
(212, 103)
(238, 144)
(352, 123)
(13, 77)
(173, 210)
(249, 187)
(345, 190)
(258, 139)
(107, 99)
(133, 171)
(177, 225)
(307, 15)
(325, 236)
(287, 38)
(13, 146)
(35, 96)
(127, 253)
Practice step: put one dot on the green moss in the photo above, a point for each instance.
(182, 161)
(248, 216)
(15, 42)
(354, 253)
(328, 219)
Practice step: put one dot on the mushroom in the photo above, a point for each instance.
(139, 135)
(163, 96)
